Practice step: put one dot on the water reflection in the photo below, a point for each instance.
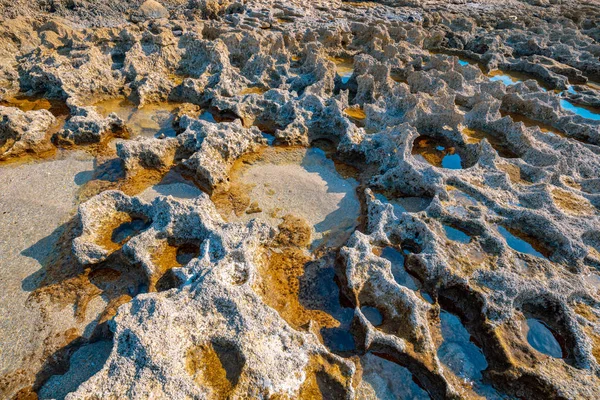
(457, 351)
(517, 243)
(582, 111)
(456, 235)
(152, 120)
(540, 337)
(383, 379)
(436, 153)
(401, 276)
(344, 67)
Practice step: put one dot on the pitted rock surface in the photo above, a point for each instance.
(472, 129)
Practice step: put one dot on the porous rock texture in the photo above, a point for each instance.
(24, 132)
(421, 72)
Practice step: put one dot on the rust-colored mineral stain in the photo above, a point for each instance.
(376, 250)
(572, 203)
(279, 271)
(104, 236)
(476, 136)
(530, 123)
(513, 172)
(355, 113)
(317, 368)
(203, 364)
(254, 90)
(233, 199)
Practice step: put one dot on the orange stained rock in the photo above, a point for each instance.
(355, 113)
(253, 90)
(571, 203)
(203, 364)
(279, 271)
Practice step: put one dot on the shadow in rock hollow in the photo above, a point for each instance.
(62, 283)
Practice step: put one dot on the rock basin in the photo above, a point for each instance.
(303, 182)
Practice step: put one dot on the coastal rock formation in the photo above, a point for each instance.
(466, 135)
(24, 132)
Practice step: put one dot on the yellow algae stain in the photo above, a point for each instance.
(514, 173)
(593, 85)
(530, 123)
(134, 183)
(254, 90)
(567, 180)
(164, 258)
(595, 339)
(233, 199)
(58, 108)
(104, 236)
(320, 371)
(397, 77)
(430, 149)
(572, 203)
(111, 308)
(361, 4)
(279, 271)
(176, 78)
(476, 136)
(355, 113)
(203, 364)
(141, 121)
(293, 231)
(585, 311)
(344, 66)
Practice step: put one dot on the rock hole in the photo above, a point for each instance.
(456, 235)
(542, 338)
(151, 120)
(344, 67)
(437, 152)
(401, 276)
(125, 231)
(231, 358)
(383, 379)
(373, 315)
(517, 243)
(476, 136)
(457, 351)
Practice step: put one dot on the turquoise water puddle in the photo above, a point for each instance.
(540, 337)
(579, 110)
(457, 351)
(456, 235)
(401, 276)
(518, 244)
